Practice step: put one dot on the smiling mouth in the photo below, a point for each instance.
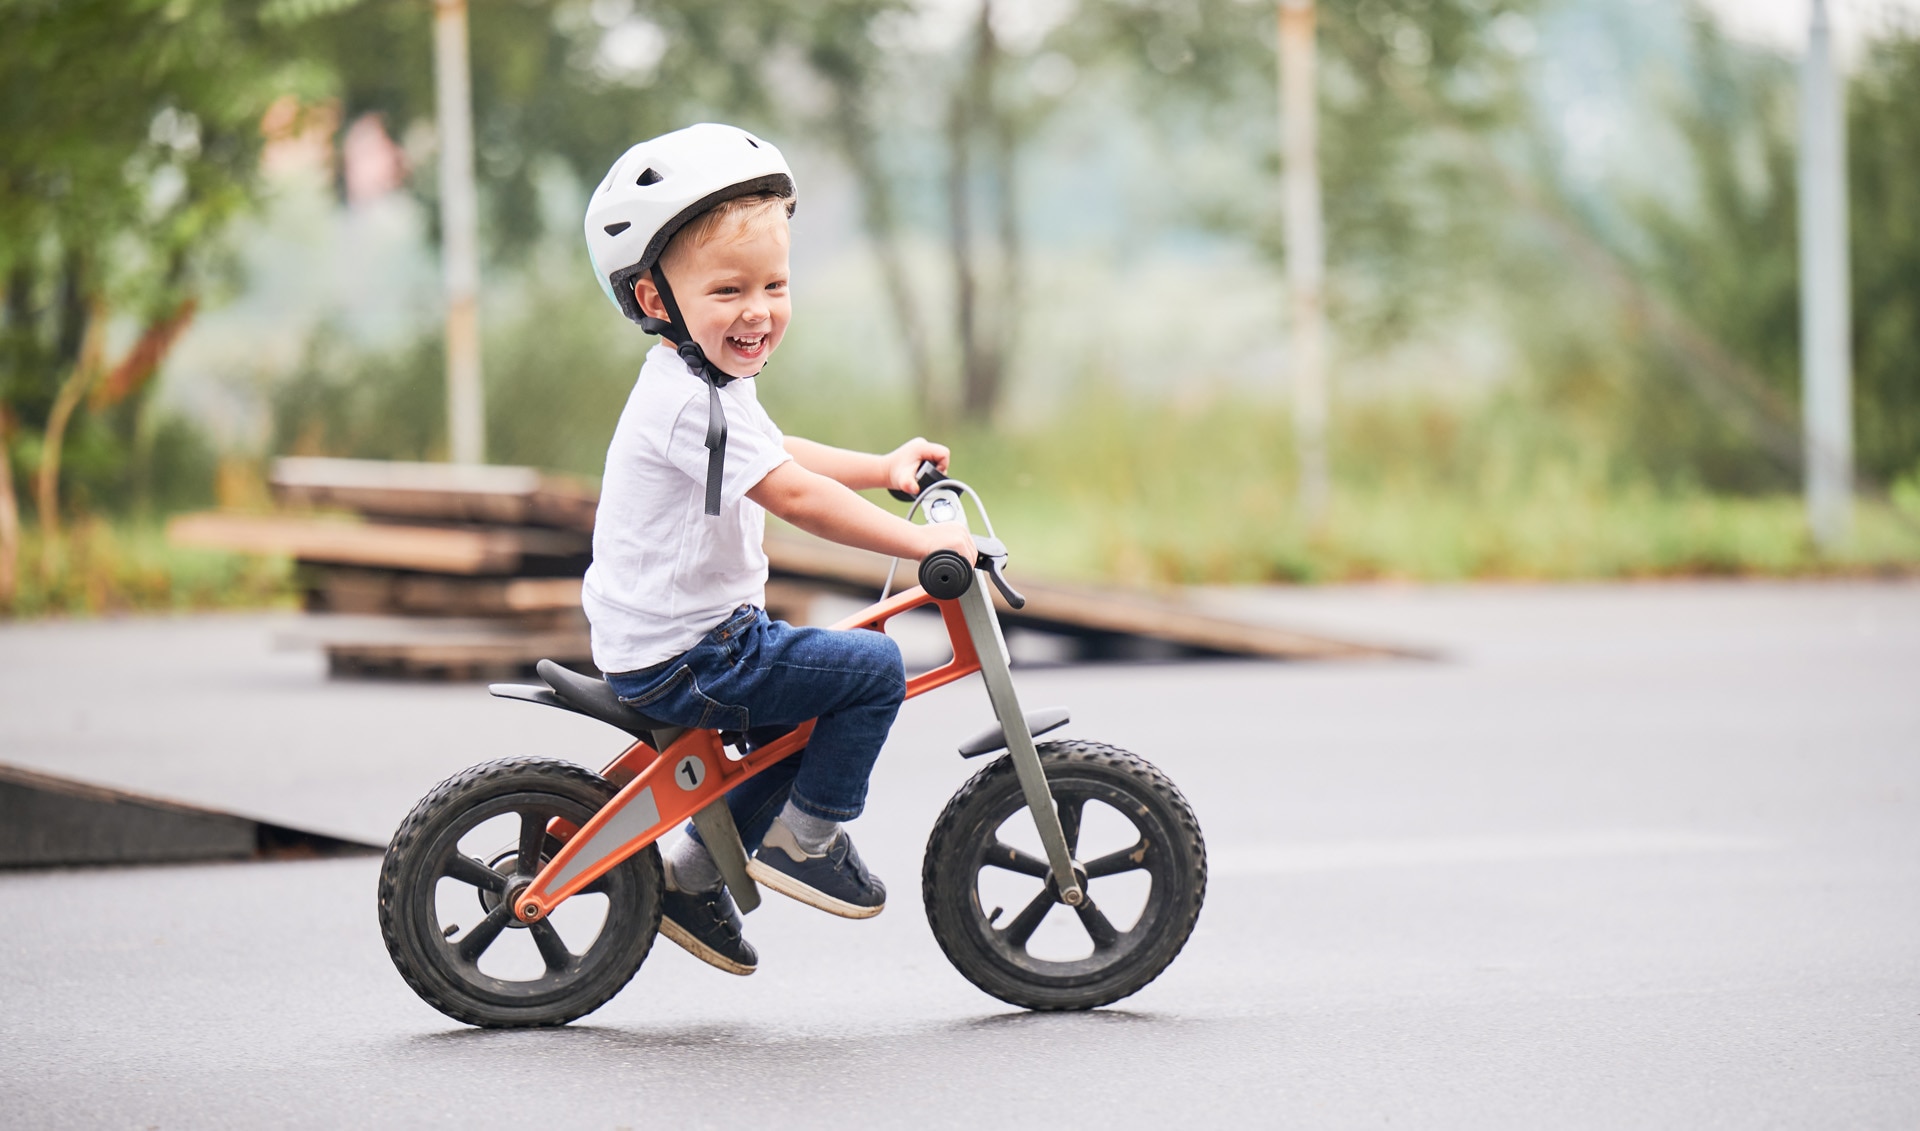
(748, 345)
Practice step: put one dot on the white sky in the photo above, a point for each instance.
(1784, 22)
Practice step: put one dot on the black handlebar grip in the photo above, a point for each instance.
(926, 476)
(945, 574)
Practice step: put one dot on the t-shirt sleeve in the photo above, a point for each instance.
(754, 446)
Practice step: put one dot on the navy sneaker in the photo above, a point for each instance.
(834, 881)
(707, 925)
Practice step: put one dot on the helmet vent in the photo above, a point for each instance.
(616, 229)
(750, 140)
(649, 177)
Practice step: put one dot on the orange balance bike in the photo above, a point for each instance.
(527, 891)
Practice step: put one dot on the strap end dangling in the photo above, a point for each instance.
(716, 447)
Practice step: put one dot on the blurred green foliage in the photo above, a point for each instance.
(1647, 426)
(556, 83)
(1158, 491)
(1725, 252)
(127, 565)
(559, 367)
(123, 152)
(1199, 494)
(1883, 172)
(1411, 218)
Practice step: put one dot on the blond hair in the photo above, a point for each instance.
(730, 221)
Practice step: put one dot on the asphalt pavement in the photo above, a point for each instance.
(1640, 856)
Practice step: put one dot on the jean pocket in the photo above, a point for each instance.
(661, 688)
(679, 700)
(719, 716)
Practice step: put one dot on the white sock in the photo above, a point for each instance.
(812, 833)
(690, 867)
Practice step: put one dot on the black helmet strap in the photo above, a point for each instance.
(675, 330)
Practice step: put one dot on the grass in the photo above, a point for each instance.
(1205, 495)
(107, 567)
(1227, 532)
(1201, 492)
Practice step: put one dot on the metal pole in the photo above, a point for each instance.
(459, 232)
(1306, 252)
(1826, 360)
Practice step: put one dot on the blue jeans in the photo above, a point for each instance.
(763, 677)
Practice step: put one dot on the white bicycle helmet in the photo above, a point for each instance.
(652, 192)
(658, 186)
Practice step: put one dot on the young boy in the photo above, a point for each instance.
(688, 237)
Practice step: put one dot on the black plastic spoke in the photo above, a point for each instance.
(533, 839)
(1126, 860)
(558, 958)
(484, 932)
(467, 870)
(1028, 921)
(1070, 810)
(1098, 928)
(1003, 855)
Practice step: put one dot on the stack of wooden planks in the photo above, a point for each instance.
(464, 572)
(421, 569)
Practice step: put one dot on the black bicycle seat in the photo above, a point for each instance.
(583, 695)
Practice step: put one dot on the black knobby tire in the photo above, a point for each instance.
(426, 857)
(994, 955)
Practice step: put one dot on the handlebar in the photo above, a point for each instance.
(926, 476)
(944, 573)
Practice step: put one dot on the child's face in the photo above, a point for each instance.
(733, 295)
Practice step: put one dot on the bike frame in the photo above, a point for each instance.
(692, 774)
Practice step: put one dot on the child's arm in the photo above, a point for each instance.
(861, 470)
(826, 507)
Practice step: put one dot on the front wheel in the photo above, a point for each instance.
(1132, 837)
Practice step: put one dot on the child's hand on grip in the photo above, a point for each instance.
(904, 462)
(947, 536)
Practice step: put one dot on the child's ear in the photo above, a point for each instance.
(648, 296)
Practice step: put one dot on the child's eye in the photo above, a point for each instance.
(726, 290)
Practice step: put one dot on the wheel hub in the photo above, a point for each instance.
(1079, 881)
(507, 864)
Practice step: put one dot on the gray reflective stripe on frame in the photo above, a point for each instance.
(639, 815)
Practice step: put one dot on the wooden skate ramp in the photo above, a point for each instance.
(1075, 610)
(496, 554)
(48, 821)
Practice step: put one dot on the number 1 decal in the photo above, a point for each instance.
(690, 773)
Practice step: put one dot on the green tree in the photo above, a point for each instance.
(123, 148)
(1404, 214)
(558, 85)
(1725, 253)
(1883, 151)
(1409, 211)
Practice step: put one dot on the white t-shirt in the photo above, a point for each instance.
(665, 572)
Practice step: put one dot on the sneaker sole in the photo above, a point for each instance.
(793, 889)
(685, 940)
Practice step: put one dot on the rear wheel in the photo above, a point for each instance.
(479, 836)
(996, 910)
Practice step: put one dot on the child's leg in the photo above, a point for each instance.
(851, 682)
(758, 801)
(753, 674)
